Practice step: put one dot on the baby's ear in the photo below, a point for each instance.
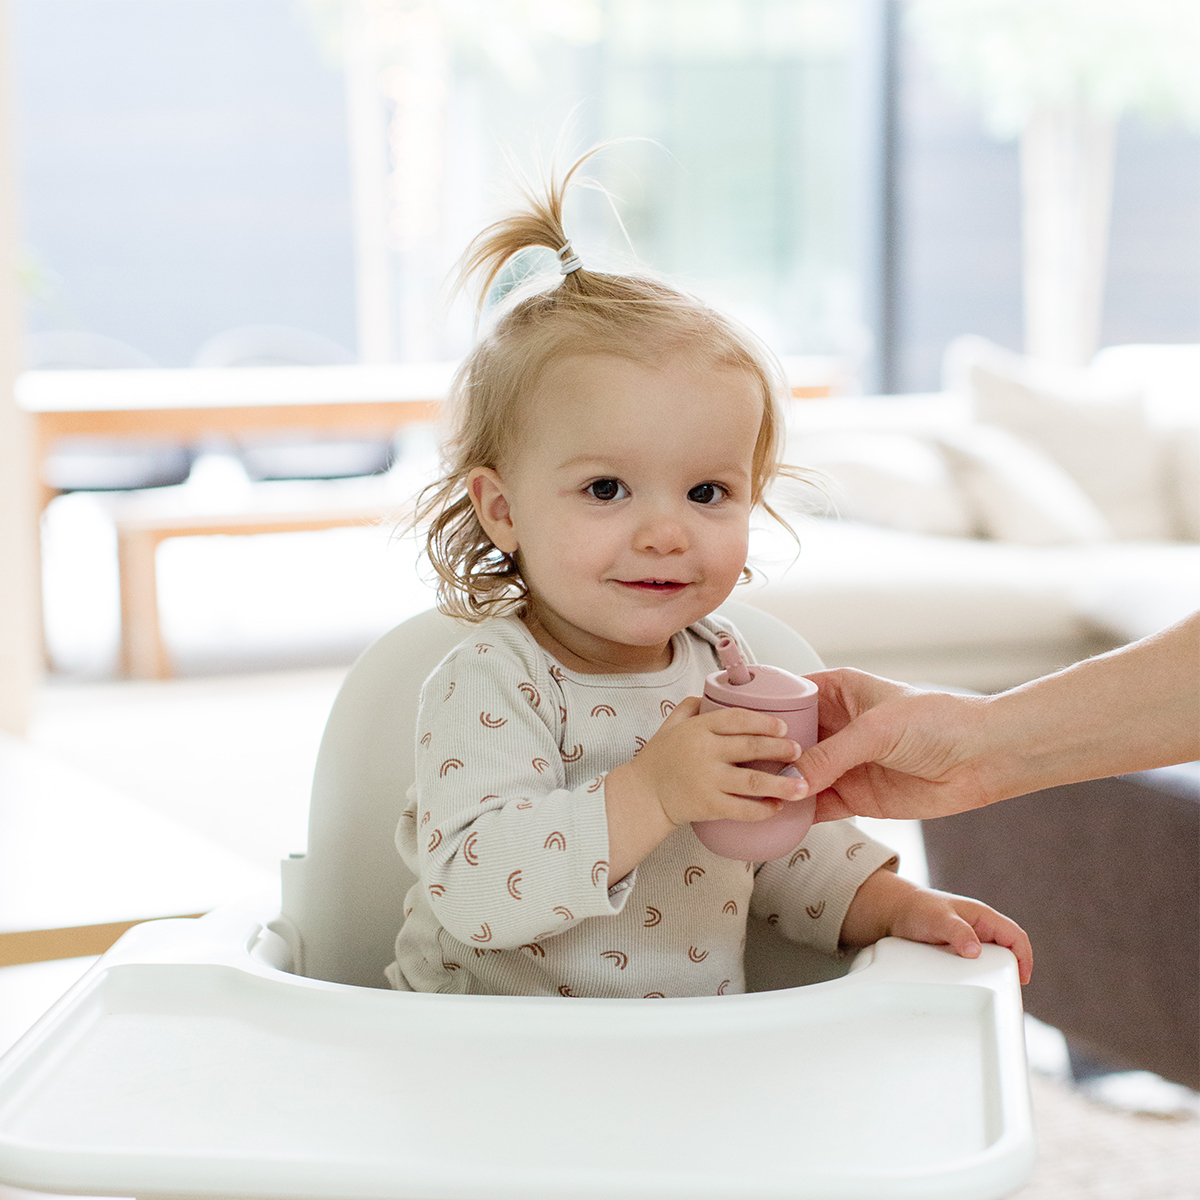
(486, 489)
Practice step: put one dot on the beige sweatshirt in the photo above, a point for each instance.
(507, 832)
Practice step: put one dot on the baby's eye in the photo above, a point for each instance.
(607, 489)
(706, 493)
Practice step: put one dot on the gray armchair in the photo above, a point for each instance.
(1105, 878)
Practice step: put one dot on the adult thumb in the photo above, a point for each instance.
(825, 763)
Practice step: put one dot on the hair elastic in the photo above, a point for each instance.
(568, 260)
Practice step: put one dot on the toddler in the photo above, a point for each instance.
(612, 436)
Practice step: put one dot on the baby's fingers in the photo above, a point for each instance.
(745, 748)
(991, 926)
(740, 808)
(732, 722)
(960, 936)
(762, 785)
(939, 925)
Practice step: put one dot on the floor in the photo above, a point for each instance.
(230, 756)
(263, 630)
(1086, 1152)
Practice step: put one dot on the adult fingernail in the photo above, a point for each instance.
(799, 787)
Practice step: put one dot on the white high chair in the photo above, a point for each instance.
(256, 1052)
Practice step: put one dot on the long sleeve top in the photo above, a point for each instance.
(507, 831)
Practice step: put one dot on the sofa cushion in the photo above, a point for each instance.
(886, 478)
(1183, 474)
(1099, 436)
(1017, 493)
(1169, 377)
(856, 587)
(1128, 590)
(917, 464)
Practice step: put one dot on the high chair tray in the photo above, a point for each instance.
(179, 1068)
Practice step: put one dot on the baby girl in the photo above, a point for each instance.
(611, 438)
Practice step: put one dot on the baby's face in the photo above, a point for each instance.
(628, 499)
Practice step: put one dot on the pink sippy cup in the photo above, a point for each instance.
(763, 689)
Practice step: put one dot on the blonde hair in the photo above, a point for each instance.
(584, 312)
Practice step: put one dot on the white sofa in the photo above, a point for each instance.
(1016, 522)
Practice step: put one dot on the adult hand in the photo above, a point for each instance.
(889, 750)
(893, 751)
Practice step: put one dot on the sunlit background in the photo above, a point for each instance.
(194, 166)
(224, 182)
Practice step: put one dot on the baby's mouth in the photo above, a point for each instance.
(653, 585)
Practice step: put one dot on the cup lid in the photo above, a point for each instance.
(771, 689)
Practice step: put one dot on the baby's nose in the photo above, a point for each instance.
(662, 533)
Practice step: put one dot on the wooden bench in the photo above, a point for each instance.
(139, 534)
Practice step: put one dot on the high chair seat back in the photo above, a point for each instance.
(343, 901)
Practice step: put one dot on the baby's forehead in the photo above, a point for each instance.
(651, 458)
(597, 388)
(632, 361)
(615, 412)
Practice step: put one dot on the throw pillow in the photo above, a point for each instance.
(893, 479)
(1018, 493)
(1099, 437)
(1169, 377)
(1183, 469)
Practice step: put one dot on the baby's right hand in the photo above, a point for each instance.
(689, 766)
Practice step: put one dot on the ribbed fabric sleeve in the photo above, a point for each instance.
(805, 895)
(507, 851)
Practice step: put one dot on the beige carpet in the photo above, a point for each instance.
(1086, 1152)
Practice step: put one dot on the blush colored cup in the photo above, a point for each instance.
(794, 700)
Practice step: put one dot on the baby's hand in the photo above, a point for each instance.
(962, 924)
(886, 904)
(689, 766)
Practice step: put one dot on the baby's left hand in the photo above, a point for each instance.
(887, 904)
(962, 924)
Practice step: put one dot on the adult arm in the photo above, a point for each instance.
(893, 751)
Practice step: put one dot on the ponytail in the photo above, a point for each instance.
(539, 225)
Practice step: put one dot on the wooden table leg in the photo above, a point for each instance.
(143, 655)
(43, 494)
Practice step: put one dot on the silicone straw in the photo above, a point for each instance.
(730, 657)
